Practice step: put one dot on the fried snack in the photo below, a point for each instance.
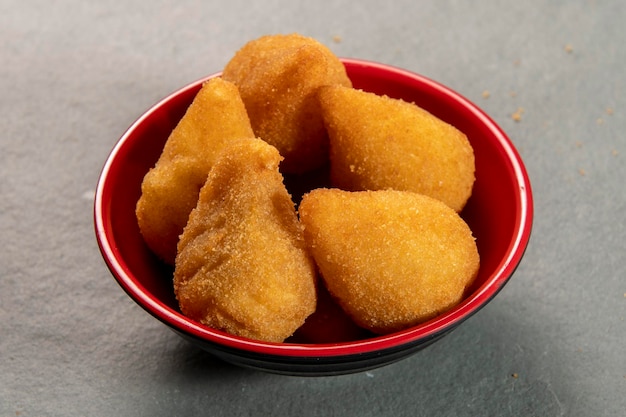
(377, 143)
(278, 76)
(392, 259)
(242, 266)
(170, 190)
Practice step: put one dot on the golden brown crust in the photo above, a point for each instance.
(170, 190)
(392, 259)
(278, 76)
(242, 266)
(378, 143)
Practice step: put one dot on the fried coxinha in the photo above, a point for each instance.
(169, 191)
(242, 265)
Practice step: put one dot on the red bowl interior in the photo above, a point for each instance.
(499, 212)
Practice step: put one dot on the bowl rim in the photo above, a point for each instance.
(430, 329)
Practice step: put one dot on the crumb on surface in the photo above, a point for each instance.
(599, 120)
(569, 48)
(517, 116)
(515, 375)
(486, 94)
(582, 172)
(337, 39)
(614, 153)
(513, 93)
(609, 111)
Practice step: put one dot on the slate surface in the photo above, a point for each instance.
(75, 74)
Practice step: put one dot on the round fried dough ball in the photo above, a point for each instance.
(378, 143)
(391, 259)
(277, 76)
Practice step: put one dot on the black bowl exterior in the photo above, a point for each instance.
(313, 365)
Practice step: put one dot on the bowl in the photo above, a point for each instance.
(499, 213)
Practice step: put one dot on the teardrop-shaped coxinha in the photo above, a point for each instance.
(169, 191)
(379, 143)
(242, 265)
(392, 259)
(278, 77)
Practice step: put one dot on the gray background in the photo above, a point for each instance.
(75, 74)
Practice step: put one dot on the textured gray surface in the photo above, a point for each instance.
(75, 74)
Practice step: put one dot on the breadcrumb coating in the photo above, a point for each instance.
(169, 191)
(278, 76)
(242, 266)
(378, 143)
(391, 259)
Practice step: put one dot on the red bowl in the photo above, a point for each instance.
(499, 213)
